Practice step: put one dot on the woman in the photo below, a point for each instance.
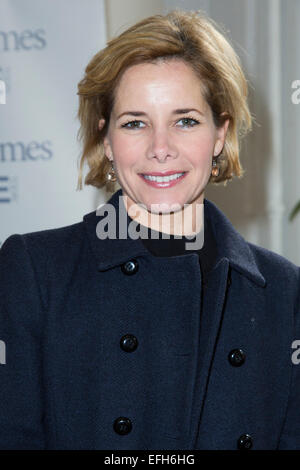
(120, 340)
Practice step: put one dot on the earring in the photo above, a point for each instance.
(215, 169)
(111, 175)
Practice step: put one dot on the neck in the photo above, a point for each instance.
(184, 222)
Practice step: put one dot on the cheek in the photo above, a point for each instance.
(121, 149)
(125, 153)
(200, 149)
(128, 152)
(207, 140)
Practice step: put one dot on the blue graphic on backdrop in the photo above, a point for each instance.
(22, 40)
(22, 151)
(8, 189)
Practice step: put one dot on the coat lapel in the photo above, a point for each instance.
(211, 319)
(115, 250)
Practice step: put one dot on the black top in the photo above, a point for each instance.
(176, 246)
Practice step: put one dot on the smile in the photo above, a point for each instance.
(163, 181)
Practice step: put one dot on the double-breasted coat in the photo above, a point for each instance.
(106, 346)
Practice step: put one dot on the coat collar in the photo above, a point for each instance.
(113, 252)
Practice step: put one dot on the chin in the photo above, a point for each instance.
(163, 207)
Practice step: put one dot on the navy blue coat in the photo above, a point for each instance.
(66, 301)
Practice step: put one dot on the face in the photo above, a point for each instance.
(161, 136)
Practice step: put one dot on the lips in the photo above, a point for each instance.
(163, 179)
(163, 173)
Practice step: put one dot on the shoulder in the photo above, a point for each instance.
(278, 271)
(34, 254)
(30, 262)
(251, 257)
(43, 242)
(268, 259)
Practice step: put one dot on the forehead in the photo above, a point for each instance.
(161, 82)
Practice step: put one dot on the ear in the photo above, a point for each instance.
(221, 136)
(106, 141)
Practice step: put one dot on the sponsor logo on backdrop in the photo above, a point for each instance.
(5, 83)
(2, 92)
(18, 151)
(25, 151)
(26, 40)
(8, 189)
(10, 41)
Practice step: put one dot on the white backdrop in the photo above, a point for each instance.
(44, 48)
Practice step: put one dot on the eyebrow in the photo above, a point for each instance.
(176, 111)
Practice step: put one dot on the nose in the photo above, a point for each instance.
(161, 146)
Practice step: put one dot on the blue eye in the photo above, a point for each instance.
(133, 125)
(188, 122)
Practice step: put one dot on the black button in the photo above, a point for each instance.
(244, 442)
(129, 343)
(122, 425)
(130, 267)
(236, 357)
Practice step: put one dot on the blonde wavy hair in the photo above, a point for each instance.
(188, 36)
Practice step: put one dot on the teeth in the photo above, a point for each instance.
(163, 179)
